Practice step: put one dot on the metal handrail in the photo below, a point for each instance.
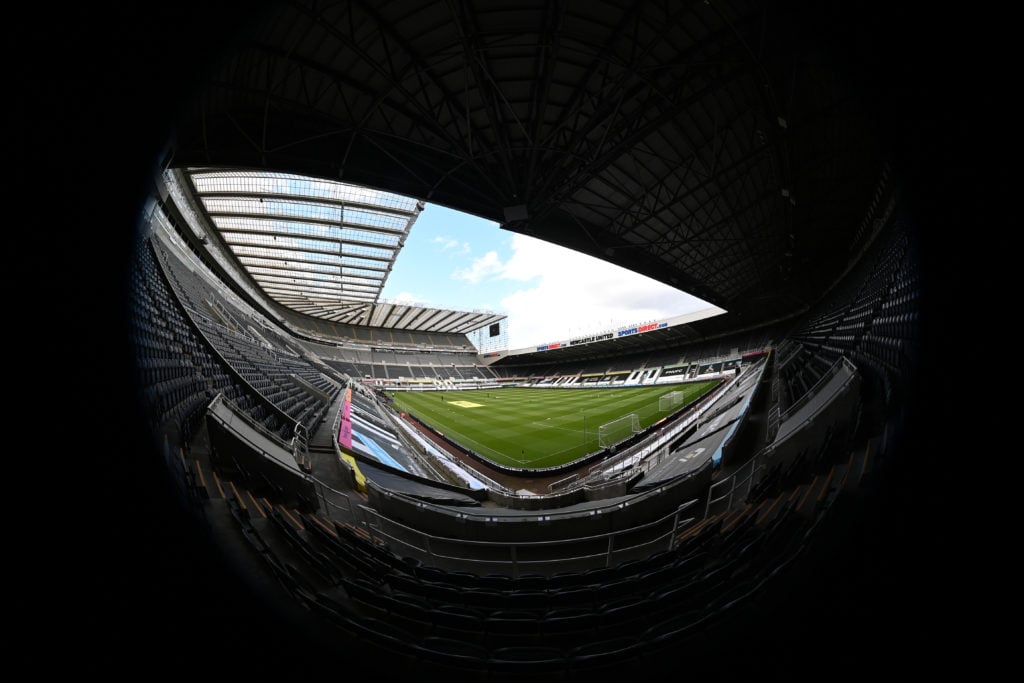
(815, 388)
(514, 548)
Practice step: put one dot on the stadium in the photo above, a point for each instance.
(338, 482)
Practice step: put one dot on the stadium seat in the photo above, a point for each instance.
(511, 627)
(457, 657)
(530, 599)
(582, 596)
(685, 625)
(458, 622)
(497, 582)
(624, 615)
(615, 653)
(537, 662)
(532, 582)
(478, 597)
(406, 612)
(388, 641)
(569, 626)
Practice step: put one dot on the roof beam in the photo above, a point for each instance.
(295, 236)
(243, 257)
(310, 199)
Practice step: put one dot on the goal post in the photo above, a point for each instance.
(619, 429)
(671, 400)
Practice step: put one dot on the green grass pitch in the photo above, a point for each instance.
(536, 427)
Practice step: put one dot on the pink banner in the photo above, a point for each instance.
(345, 431)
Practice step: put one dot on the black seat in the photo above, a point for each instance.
(532, 582)
(609, 653)
(579, 596)
(625, 615)
(540, 662)
(569, 626)
(530, 599)
(512, 627)
(484, 598)
(614, 590)
(458, 622)
(683, 626)
(391, 641)
(498, 582)
(453, 655)
(407, 612)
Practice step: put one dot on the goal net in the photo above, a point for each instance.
(670, 400)
(617, 430)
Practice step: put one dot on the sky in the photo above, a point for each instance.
(549, 293)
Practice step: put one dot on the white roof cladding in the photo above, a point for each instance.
(320, 247)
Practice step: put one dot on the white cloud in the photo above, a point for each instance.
(549, 293)
(410, 299)
(480, 268)
(576, 294)
(454, 246)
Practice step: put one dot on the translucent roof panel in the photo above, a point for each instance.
(305, 237)
(320, 247)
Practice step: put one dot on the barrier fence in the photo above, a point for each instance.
(524, 557)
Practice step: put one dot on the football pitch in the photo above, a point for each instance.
(536, 428)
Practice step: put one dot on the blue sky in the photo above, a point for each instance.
(454, 260)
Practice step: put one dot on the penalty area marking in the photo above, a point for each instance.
(466, 404)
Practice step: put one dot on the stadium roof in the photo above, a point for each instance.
(320, 247)
(717, 147)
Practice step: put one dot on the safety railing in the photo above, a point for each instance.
(334, 500)
(524, 557)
